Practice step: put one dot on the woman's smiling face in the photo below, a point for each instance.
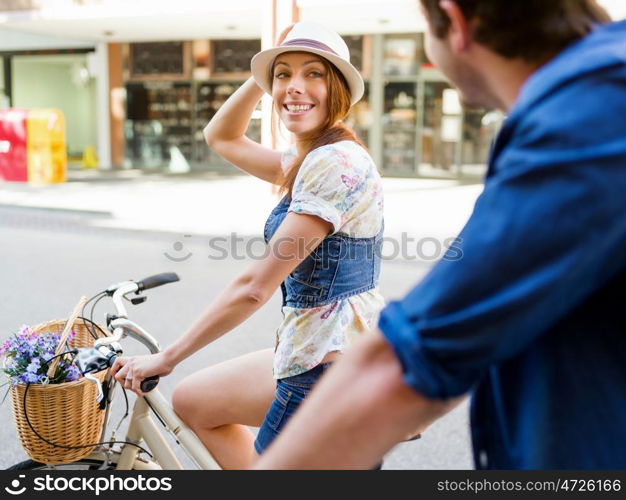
(300, 91)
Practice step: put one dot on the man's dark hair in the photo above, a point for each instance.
(533, 30)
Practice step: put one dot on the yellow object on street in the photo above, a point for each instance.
(90, 159)
(45, 146)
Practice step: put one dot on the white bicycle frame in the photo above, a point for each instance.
(142, 426)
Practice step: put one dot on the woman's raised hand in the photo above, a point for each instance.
(283, 34)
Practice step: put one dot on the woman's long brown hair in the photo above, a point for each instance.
(332, 130)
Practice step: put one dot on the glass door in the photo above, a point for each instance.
(399, 128)
(440, 132)
(399, 123)
(158, 122)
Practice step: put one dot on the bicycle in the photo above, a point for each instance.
(142, 428)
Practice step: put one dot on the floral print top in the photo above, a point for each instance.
(340, 184)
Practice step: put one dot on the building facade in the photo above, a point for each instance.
(409, 118)
(139, 81)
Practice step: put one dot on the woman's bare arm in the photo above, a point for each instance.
(295, 239)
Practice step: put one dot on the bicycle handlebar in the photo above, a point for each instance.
(144, 284)
(119, 290)
(93, 360)
(103, 355)
(156, 280)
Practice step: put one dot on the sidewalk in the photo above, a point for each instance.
(218, 204)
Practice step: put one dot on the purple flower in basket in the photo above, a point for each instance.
(27, 356)
(34, 365)
(31, 378)
(73, 373)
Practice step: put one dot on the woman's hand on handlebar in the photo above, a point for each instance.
(129, 371)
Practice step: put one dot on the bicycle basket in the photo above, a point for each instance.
(64, 414)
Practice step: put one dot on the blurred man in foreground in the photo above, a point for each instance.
(531, 320)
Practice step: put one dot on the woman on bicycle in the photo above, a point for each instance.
(323, 238)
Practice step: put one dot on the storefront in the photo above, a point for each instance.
(172, 90)
(50, 72)
(69, 87)
(152, 99)
(409, 118)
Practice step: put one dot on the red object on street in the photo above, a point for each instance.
(13, 156)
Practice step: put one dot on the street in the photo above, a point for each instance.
(48, 259)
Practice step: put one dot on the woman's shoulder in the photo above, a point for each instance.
(343, 152)
(288, 156)
(347, 147)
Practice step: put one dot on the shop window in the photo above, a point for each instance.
(232, 57)
(210, 96)
(437, 149)
(355, 45)
(166, 110)
(455, 140)
(158, 122)
(401, 56)
(399, 132)
(159, 59)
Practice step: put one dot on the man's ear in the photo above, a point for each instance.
(459, 33)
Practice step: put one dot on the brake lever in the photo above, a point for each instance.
(140, 299)
(93, 379)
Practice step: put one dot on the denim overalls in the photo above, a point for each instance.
(339, 267)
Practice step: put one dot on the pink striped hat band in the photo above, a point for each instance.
(312, 44)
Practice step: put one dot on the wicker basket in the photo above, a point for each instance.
(66, 414)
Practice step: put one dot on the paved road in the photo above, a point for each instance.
(48, 259)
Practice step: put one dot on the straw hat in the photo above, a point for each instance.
(308, 36)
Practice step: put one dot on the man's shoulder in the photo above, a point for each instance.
(583, 120)
(583, 101)
(601, 56)
(581, 108)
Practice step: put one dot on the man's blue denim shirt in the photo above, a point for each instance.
(532, 319)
